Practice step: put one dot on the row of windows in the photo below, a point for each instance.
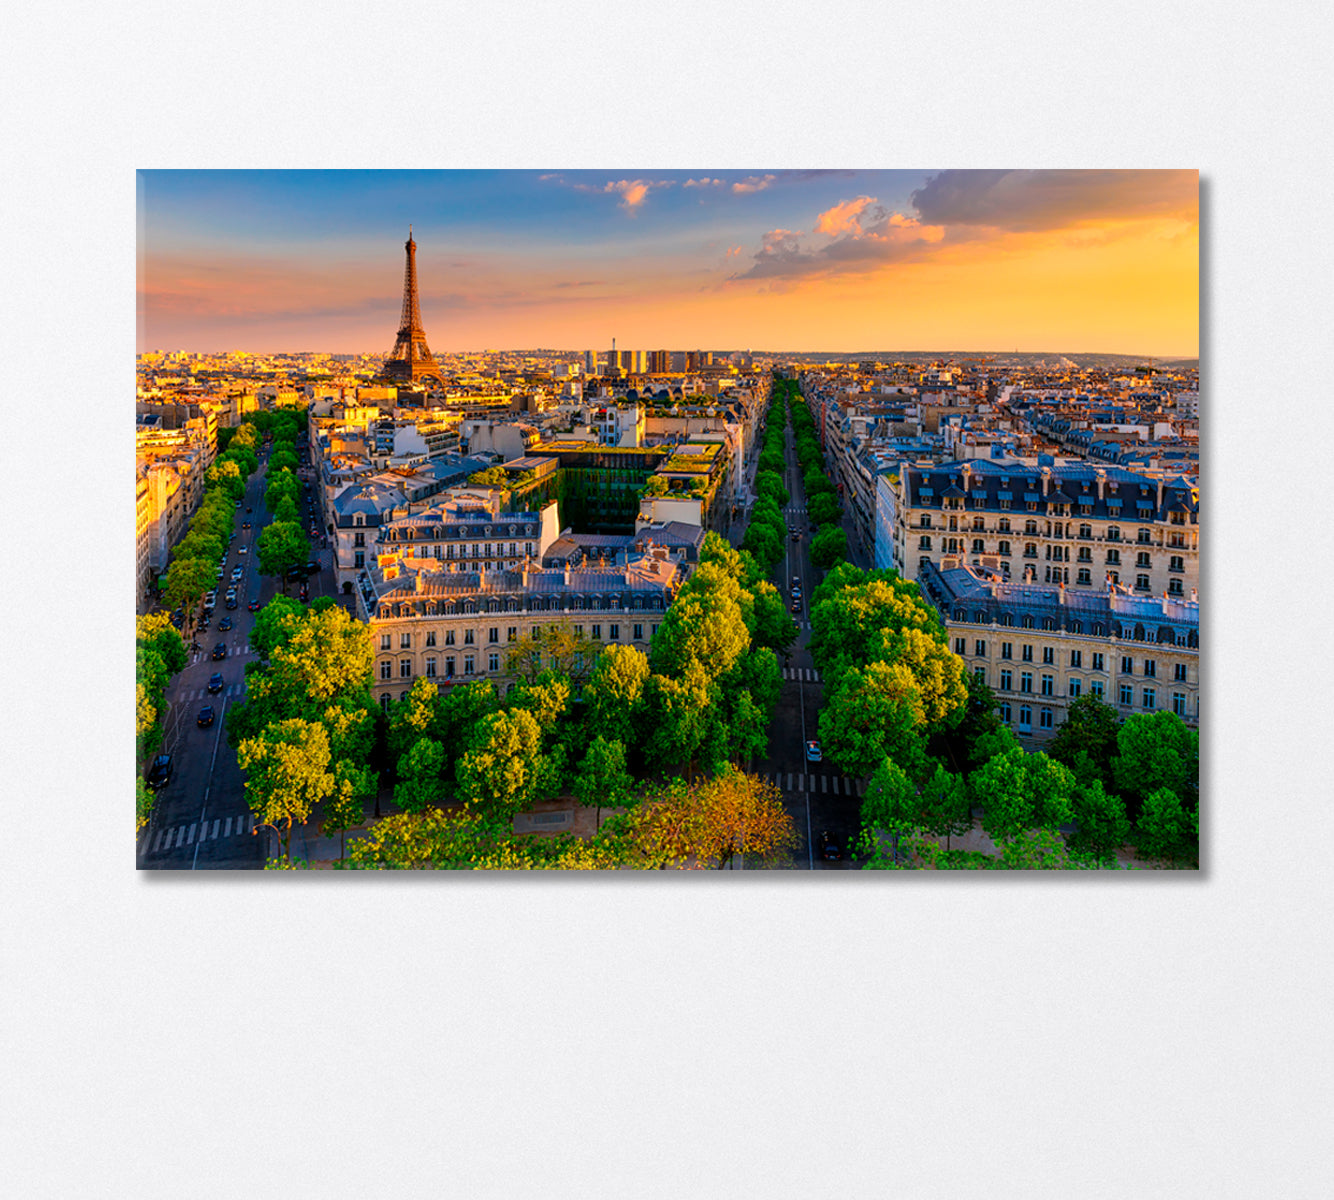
(1046, 715)
(1059, 530)
(1075, 625)
(1054, 553)
(405, 664)
(1149, 667)
(429, 638)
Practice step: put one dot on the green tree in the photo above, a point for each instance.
(678, 716)
(226, 474)
(823, 509)
(944, 808)
(420, 776)
(504, 769)
(828, 546)
(144, 800)
(614, 694)
(1167, 830)
(764, 542)
(154, 631)
(602, 780)
(871, 713)
(547, 698)
(328, 655)
(413, 717)
(459, 711)
(558, 648)
(1154, 751)
(1086, 740)
(772, 625)
(770, 484)
(346, 805)
(283, 485)
(275, 624)
(1019, 791)
(703, 627)
(890, 802)
(491, 477)
(281, 459)
(1102, 822)
(280, 547)
(288, 774)
(184, 584)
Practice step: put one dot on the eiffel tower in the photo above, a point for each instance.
(411, 358)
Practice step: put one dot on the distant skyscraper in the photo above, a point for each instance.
(590, 362)
(411, 358)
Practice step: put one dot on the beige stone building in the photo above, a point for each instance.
(1039, 648)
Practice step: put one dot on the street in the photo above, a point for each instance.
(818, 795)
(201, 820)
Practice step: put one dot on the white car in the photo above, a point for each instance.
(244, 550)
(237, 572)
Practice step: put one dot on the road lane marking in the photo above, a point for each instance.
(227, 830)
(216, 823)
(190, 837)
(157, 841)
(824, 783)
(789, 781)
(180, 837)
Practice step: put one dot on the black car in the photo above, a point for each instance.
(253, 606)
(220, 650)
(214, 683)
(312, 568)
(224, 625)
(247, 508)
(205, 718)
(245, 524)
(796, 605)
(178, 618)
(159, 772)
(231, 603)
(829, 848)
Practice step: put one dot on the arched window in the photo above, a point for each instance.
(1076, 626)
(960, 615)
(1098, 629)
(979, 618)
(1007, 619)
(1048, 622)
(1028, 620)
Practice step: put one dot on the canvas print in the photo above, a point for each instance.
(749, 520)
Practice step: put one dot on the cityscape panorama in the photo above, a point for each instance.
(728, 520)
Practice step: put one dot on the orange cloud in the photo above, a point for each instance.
(843, 218)
(753, 183)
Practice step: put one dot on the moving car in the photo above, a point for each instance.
(205, 718)
(231, 602)
(245, 524)
(159, 772)
(237, 572)
(796, 605)
(312, 568)
(253, 606)
(813, 754)
(220, 650)
(796, 535)
(243, 550)
(224, 625)
(828, 847)
(214, 683)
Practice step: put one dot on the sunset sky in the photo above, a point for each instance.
(767, 259)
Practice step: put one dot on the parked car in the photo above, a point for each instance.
(205, 718)
(828, 846)
(159, 772)
(224, 625)
(215, 683)
(312, 568)
(813, 754)
(211, 600)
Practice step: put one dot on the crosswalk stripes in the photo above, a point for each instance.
(208, 831)
(229, 692)
(837, 785)
(806, 674)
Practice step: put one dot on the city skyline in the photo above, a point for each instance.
(1073, 261)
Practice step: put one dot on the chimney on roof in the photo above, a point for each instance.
(567, 572)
